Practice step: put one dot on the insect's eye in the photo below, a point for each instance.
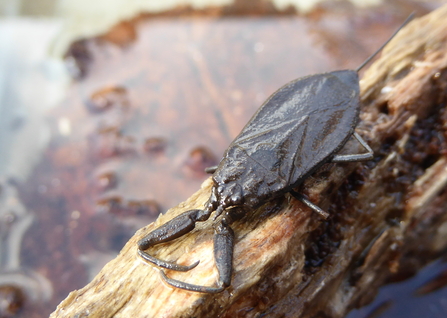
(232, 195)
(236, 199)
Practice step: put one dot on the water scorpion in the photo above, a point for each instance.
(298, 129)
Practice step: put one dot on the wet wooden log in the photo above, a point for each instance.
(388, 215)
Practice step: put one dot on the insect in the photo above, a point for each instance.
(298, 129)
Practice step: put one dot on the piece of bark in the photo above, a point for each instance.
(388, 215)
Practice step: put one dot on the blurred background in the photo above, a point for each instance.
(110, 111)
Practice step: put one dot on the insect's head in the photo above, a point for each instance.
(230, 194)
(224, 196)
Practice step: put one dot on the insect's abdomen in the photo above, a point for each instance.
(297, 129)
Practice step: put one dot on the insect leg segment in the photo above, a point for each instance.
(211, 170)
(169, 231)
(165, 264)
(309, 204)
(223, 252)
(190, 287)
(223, 256)
(356, 157)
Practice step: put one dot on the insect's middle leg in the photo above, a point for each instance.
(338, 158)
(169, 231)
(358, 156)
(223, 256)
(311, 205)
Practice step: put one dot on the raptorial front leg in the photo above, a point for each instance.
(169, 231)
(223, 255)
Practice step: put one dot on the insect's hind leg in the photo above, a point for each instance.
(356, 157)
(311, 205)
(223, 256)
(169, 231)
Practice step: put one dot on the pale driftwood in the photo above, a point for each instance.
(371, 236)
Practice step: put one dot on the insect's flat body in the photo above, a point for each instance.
(293, 133)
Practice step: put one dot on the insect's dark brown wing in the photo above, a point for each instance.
(329, 127)
(298, 127)
(272, 152)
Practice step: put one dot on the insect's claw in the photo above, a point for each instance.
(191, 287)
(165, 264)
